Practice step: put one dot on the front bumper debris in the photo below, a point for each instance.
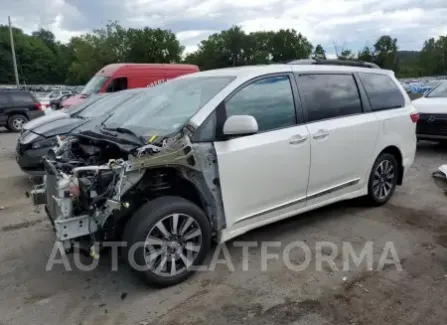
(52, 194)
(39, 195)
(440, 177)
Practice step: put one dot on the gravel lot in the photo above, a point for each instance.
(414, 220)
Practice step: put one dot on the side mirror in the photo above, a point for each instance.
(240, 125)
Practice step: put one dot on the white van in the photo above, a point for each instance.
(219, 153)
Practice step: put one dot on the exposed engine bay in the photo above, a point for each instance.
(92, 186)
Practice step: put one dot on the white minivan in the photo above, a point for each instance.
(218, 153)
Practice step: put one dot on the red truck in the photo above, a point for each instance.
(120, 76)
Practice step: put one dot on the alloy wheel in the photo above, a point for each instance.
(383, 179)
(172, 245)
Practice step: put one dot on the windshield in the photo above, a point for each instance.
(94, 85)
(439, 91)
(106, 104)
(76, 108)
(166, 108)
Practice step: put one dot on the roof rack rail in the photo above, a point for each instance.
(352, 63)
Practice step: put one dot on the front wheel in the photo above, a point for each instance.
(15, 122)
(166, 238)
(383, 179)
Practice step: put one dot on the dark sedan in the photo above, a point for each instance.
(38, 138)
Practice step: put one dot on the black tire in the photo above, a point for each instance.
(378, 198)
(16, 121)
(144, 221)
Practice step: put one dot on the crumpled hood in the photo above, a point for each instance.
(427, 105)
(59, 126)
(52, 116)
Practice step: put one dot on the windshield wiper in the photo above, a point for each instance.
(125, 130)
(104, 129)
(78, 116)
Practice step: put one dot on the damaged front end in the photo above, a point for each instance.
(92, 186)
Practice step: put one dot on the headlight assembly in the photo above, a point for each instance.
(45, 143)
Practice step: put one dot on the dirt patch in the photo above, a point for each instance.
(23, 225)
(411, 296)
(442, 240)
(252, 314)
(427, 219)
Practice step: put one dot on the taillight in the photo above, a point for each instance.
(39, 106)
(414, 117)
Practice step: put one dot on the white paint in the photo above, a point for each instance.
(268, 176)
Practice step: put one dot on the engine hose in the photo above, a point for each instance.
(105, 193)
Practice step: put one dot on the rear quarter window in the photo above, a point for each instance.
(382, 91)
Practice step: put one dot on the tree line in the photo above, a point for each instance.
(44, 60)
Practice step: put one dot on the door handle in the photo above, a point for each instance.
(297, 139)
(321, 134)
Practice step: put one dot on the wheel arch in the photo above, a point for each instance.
(395, 151)
(179, 185)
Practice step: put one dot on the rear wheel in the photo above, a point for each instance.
(165, 238)
(383, 179)
(15, 122)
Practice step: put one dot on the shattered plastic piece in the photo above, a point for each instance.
(93, 253)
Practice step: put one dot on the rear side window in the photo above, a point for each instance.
(382, 92)
(330, 95)
(22, 98)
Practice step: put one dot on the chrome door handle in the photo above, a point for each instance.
(297, 140)
(321, 134)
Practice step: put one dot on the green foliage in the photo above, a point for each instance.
(346, 55)
(319, 53)
(114, 44)
(366, 55)
(234, 47)
(42, 59)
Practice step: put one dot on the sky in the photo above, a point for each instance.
(336, 24)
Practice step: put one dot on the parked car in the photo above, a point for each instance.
(116, 77)
(216, 154)
(432, 124)
(18, 107)
(60, 114)
(35, 142)
(54, 99)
